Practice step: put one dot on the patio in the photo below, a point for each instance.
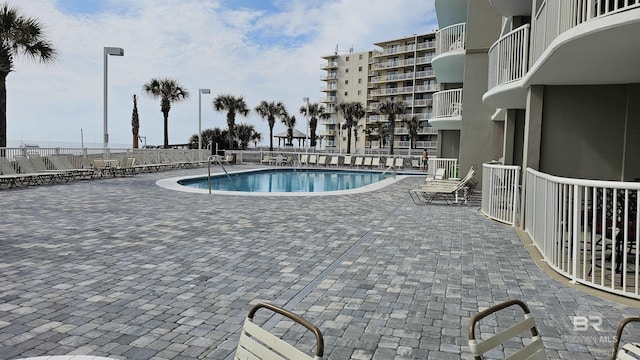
(123, 268)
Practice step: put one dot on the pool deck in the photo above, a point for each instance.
(123, 268)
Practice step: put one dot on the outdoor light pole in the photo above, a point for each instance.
(306, 99)
(200, 92)
(115, 52)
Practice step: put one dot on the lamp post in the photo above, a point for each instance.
(306, 99)
(200, 92)
(115, 52)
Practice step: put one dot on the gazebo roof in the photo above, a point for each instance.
(296, 134)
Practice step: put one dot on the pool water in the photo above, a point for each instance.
(288, 180)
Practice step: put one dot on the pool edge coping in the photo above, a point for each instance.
(172, 184)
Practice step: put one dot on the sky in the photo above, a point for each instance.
(259, 49)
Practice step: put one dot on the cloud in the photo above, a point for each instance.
(270, 53)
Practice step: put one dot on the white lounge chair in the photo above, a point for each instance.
(312, 159)
(322, 160)
(375, 162)
(257, 343)
(304, 159)
(389, 162)
(347, 161)
(447, 189)
(359, 161)
(399, 164)
(334, 161)
(367, 161)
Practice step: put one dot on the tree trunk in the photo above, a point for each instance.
(166, 129)
(349, 141)
(3, 110)
(270, 138)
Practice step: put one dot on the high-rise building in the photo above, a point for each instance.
(401, 71)
(346, 81)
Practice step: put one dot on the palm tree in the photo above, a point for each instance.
(270, 111)
(255, 138)
(315, 112)
(245, 133)
(19, 35)
(232, 105)
(289, 122)
(210, 136)
(169, 91)
(413, 124)
(135, 122)
(352, 112)
(392, 109)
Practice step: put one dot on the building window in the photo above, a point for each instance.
(360, 81)
(346, 82)
(359, 68)
(360, 57)
(346, 93)
(359, 92)
(346, 59)
(346, 70)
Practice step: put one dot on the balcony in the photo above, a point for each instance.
(508, 64)
(392, 91)
(426, 45)
(393, 64)
(563, 38)
(447, 110)
(328, 99)
(510, 8)
(398, 49)
(450, 52)
(329, 65)
(329, 88)
(327, 77)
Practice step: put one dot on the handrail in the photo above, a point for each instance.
(215, 157)
(392, 168)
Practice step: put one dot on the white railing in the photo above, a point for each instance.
(586, 230)
(426, 144)
(508, 57)
(450, 38)
(450, 167)
(426, 45)
(83, 157)
(447, 103)
(393, 63)
(557, 16)
(398, 49)
(392, 91)
(500, 190)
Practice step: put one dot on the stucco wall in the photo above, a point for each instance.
(583, 131)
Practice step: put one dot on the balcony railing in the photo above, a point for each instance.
(426, 144)
(328, 77)
(450, 38)
(329, 64)
(500, 190)
(447, 103)
(393, 64)
(554, 17)
(586, 230)
(508, 57)
(426, 45)
(398, 49)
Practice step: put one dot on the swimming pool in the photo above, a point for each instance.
(286, 181)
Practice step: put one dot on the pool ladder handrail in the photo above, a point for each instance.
(217, 158)
(393, 169)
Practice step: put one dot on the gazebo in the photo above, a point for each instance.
(297, 135)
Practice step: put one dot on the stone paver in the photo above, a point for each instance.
(126, 269)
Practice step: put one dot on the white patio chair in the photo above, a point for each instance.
(257, 343)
